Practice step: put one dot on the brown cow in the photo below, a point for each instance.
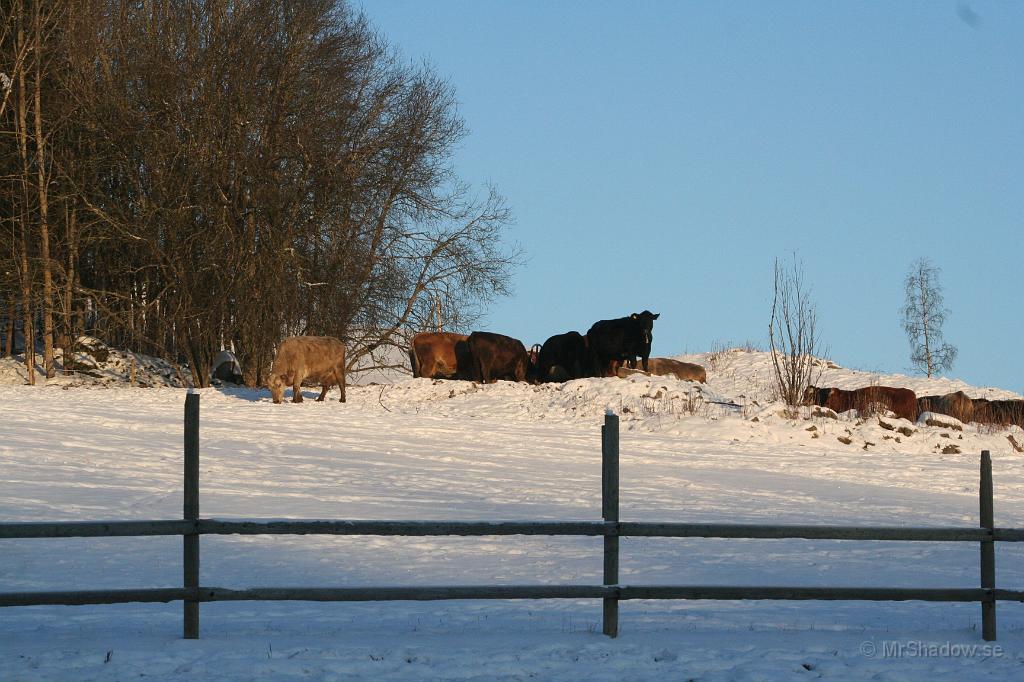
(318, 358)
(667, 367)
(982, 410)
(440, 355)
(1007, 412)
(956, 405)
(499, 357)
(686, 371)
(902, 401)
(1002, 412)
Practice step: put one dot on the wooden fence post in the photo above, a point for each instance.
(988, 550)
(191, 547)
(610, 513)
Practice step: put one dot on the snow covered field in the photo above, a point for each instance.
(451, 450)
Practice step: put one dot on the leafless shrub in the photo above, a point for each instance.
(873, 409)
(663, 402)
(692, 402)
(793, 335)
(992, 428)
(718, 354)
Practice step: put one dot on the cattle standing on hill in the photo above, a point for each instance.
(956, 405)
(1002, 412)
(441, 355)
(318, 358)
(982, 411)
(978, 410)
(902, 401)
(621, 339)
(564, 357)
(498, 357)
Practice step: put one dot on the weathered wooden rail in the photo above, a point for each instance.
(191, 527)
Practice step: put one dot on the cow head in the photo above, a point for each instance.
(277, 383)
(646, 322)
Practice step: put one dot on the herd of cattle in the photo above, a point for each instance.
(905, 403)
(487, 357)
(601, 352)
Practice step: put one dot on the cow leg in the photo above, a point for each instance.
(297, 392)
(481, 376)
(323, 391)
(644, 358)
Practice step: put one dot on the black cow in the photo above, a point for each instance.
(498, 357)
(564, 357)
(625, 338)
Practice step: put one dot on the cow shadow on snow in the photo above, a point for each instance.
(262, 394)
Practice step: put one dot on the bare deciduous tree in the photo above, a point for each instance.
(236, 172)
(29, 39)
(923, 317)
(793, 335)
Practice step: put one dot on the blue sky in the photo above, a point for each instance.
(659, 155)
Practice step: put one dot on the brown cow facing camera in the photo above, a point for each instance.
(317, 358)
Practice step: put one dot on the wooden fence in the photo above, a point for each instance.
(191, 527)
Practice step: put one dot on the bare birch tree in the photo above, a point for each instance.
(924, 314)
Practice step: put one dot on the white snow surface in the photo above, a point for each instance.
(422, 449)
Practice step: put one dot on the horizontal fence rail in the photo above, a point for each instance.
(610, 529)
(445, 592)
(482, 528)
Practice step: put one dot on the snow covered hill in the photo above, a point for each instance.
(422, 449)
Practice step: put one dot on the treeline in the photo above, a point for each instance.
(180, 175)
